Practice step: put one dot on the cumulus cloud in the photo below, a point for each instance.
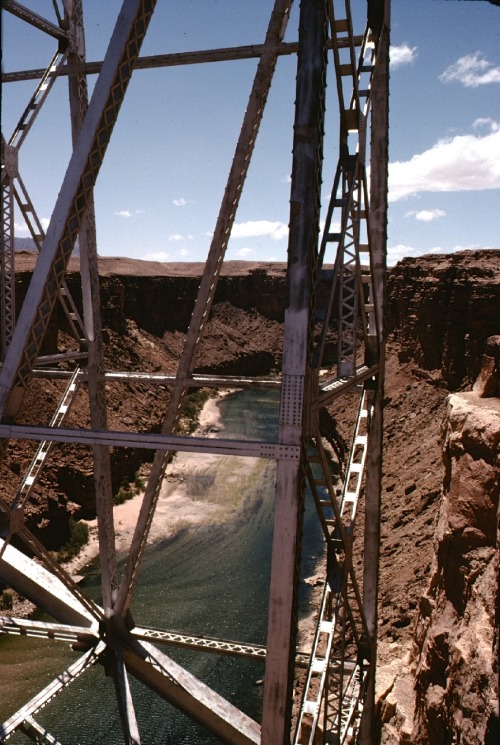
(486, 121)
(20, 227)
(402, 55)
(396, 253)
(255, 228)
(461, 163)
(156, 256)
(244, 252)
(181, 202)
(472, 70)
(124, 213)
(426, 215)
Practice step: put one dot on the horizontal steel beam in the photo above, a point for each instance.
(44, 630)
(225, 54)
(150, 441)
(196, 381)
(200, 643)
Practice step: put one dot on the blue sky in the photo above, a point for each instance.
(160, 187)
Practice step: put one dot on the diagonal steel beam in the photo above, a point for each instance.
(55, 687)
(28, 15)
(206, 293)
(78, 96)
(72, 202)
(190, 695)
(125, 704)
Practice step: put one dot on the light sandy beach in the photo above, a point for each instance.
(175, 509)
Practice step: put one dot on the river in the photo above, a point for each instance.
(210, 579)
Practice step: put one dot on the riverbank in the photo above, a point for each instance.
(177, 510)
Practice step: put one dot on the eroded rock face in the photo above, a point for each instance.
(456, 638)
(442, 308)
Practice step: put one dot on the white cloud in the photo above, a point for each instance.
(123, 213)
(22, 227)
(181, 202)
(396, 253)
(244, 252)
(401, 251)
(472, 70)
(179, 237)
(402, 55)
(254, 228)
(426, 215)
(461, 163)
(486, 121)
(156, 256)
(183, 252)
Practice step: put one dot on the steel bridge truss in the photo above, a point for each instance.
(335, 676)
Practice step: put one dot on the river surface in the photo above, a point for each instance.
(210, 579)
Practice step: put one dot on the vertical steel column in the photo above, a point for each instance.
(295, 403)
(378, 228)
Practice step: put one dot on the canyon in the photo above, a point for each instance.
(437, 679)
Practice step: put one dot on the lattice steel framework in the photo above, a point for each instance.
(338, 686)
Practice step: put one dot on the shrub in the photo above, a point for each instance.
(6, 600)
(78, 537)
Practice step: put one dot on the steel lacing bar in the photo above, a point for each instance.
(38, 235)
(32, 109)
(356, 463)
(45, 447)
(7, 260)
(42, 630)
(50, 691)
(334, 530)
(202, 643)
(318, 664)
(36, 466)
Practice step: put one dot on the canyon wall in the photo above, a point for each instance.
(437, 680)
(442, 308)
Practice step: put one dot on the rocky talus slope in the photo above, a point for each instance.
(439, 582)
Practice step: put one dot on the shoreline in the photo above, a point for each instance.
(181, 512)
(183, 509)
